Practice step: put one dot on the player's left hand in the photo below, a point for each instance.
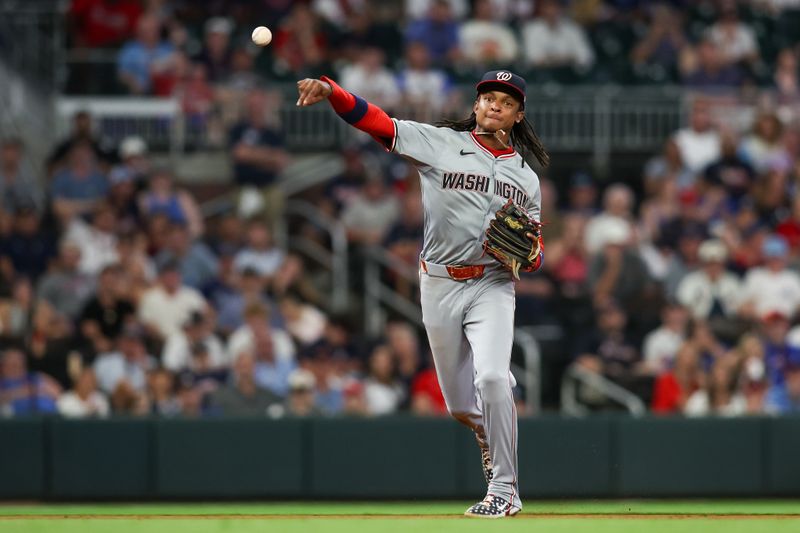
(312, 91)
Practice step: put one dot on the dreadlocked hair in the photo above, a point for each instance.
(523, 136)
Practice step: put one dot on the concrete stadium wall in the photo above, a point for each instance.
(53, 459)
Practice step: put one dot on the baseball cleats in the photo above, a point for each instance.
(492, 507)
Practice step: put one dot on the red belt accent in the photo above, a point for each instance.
(461, 272)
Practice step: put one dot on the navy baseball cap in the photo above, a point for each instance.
(503, 80)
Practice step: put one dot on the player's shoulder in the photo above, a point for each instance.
(430, 129)
(525, 171)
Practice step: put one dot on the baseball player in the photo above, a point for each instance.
(473, 177)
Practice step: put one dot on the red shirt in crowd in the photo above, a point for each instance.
(426, 384)
(101, 23)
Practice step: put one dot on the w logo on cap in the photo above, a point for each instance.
(503, 75)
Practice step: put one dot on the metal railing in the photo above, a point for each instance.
(575, 377)
(378, 296)
(334, 260)
(593, 119)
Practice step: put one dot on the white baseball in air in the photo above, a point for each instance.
(262, 36)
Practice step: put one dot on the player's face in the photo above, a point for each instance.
(496, 110)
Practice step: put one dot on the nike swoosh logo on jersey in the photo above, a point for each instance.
(465, 153)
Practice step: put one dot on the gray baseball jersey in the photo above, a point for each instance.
(470, 324)
(463, 185)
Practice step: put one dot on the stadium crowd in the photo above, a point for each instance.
(118, 297)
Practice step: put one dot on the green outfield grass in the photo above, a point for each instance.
(591, 517)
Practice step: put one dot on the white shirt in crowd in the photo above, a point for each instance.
(699, 404)
(168, 312)
(71, 405)
(698, 149)
(242, 340)
(425, 86)
(177, 352)
(98, 248)
(565, 41)
(772, 291)
(697, 292)
(476, 35)
(382, 399)
(378, 86)
(113, 367)
(265, 262)
(375, 215)
(660, 347)
(734, 46)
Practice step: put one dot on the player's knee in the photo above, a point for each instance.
(493, 386)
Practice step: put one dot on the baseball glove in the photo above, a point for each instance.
(513, 239)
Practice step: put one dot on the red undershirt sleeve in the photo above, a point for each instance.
(361, 114)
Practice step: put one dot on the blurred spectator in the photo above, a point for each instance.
(369, 216)
(144, 57)
(763, 148)
(710, 292)
(673, 389)
(97, 240)
(50, 344)
(735, 40)
(260, 254)
(426, 395)
(582, 195)
(81, 134)
(257, 328)
(344, 188)
(369, 78)
(610, 350)
(789, 227)
(785, 398)
(259, 157)
(553, 40)
(122, 199)
(686, 237)
(197, 263)
(404, 345)
(29, 248)
(134, 158)
(272, 369)
(80, 186)
(567, 259)
(382, 391)
(304, 322)
(772, 287)
(234, 292)
(438, 31)
(16, 311)
(720, 395)
(667, 167)
(84, 400)
(242, 397)
(300, 402)
(664, 41)
(661, 345)
(427, 90)
(66, 287)
(404, 239)
(19, 187)
(617, 212)
(103, 23)
(731, 172)
(354, 402)
(417, 9)
(617, 272)
(299, 46)
(162, 196)
(216, 54)
(106, 313)
(699, 144)
(122, 374)
(161, 398)
(485, 40)
(705, 69)
(180, 347)
(787, 76)
(23, 392)
(773, 331)
(165, 307)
